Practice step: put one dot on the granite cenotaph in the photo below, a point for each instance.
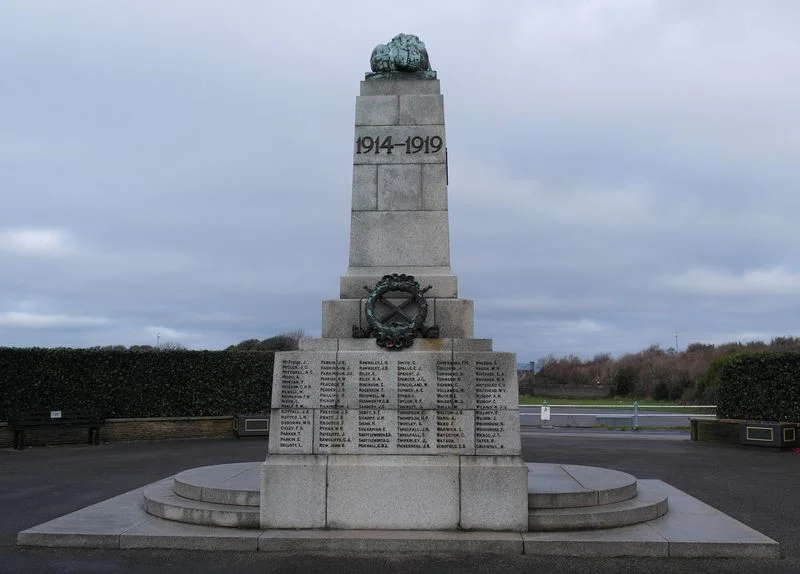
(396, 418)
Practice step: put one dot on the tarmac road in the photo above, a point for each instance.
(757, 487)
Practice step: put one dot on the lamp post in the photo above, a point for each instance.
(676, 341)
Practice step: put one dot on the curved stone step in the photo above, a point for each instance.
(574, 486)
(236, 483)
(648, 505)
(161, 501)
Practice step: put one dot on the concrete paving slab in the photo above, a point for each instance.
(551, 484)
(249, 478)
(695, 529)
(611, 485)
(691, 529)
(243, 488)
(190, 483)
(539, 469)
(636, 540)
(571, 486)
(96, 526)
(401, 541)
(160, 533)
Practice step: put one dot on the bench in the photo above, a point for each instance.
(20, 422)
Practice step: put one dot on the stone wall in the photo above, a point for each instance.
(127, 430)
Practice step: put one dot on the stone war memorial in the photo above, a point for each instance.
(396, 417)
(397, 430)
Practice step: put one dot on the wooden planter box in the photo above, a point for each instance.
(774, 435)
(715, 430)
(749, 433)
(251, 425)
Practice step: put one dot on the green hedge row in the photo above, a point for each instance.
(762, 386)
(129, 384)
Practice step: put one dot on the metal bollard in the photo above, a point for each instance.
(635, 414)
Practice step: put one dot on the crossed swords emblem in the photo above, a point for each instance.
(396, 310)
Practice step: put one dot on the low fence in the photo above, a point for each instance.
(615, 416)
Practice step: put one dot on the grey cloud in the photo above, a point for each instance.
(616, 169)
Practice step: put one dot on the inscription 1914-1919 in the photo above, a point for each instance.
(410, 145)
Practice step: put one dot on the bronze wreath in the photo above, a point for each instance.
(396, 334)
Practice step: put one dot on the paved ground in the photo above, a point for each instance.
(759, 488)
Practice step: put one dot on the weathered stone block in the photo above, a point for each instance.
(399, 186)
(497, 432)
(319, 345)
(393, 492)
(399, 87)
(419, 345)
(441, 279)
(434, 186)
(389, 238)
(421, 109)
(455, 317)
(376, 110)
(339, 316)
(293, 491)
(494, 493)
(472, 345)
(455, 431)
(291, 431)
(365, 188)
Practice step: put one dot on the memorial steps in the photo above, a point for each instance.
(160, 499)
(560, 497)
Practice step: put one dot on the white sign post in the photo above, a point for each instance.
(545, 415)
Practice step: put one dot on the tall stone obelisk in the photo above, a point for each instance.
(396, 418)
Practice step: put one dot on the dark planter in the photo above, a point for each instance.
(769, 434)
(251, 425)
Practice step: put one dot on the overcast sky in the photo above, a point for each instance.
(619, 171)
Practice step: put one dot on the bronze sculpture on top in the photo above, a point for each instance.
(406, 53)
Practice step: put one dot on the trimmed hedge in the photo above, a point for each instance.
(761, 386)
(129, 384)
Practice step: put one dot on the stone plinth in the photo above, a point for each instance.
(394, 492)
(413, 439)
(426, 438)
(399, 221)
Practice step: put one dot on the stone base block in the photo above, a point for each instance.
(293, 491)
(419, 345)
(399, 238)
(393, 492)
(441, 279)
(455, 317)
(494, 493)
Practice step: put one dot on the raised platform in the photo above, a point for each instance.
(690, 528)
(560, 497)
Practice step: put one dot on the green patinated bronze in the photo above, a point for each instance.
(405, 57)
(398, 328)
